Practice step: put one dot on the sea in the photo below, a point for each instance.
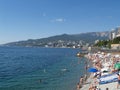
(32, 68)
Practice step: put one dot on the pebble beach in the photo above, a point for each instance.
(108, 80)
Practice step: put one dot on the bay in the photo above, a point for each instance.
(23, 68)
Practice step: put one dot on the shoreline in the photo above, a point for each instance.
(89, 79)
(87, 84)
(86, 76)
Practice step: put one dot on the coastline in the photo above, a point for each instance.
(86, 78)
(87, 83)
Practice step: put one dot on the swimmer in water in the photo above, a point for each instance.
(64, 69)
(40, 80)
(44, 71)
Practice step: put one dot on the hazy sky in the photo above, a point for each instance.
(31, 19)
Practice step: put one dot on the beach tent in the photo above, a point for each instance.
(117, 66)
(92, 69)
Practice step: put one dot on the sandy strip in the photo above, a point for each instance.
(111, 86)
(87, 84)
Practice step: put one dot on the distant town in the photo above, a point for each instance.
(113, 42)
(101, 39)
(67, 44)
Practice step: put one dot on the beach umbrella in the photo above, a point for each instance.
(117, 66)
(105, 69)
(92, 69)
(117, 56)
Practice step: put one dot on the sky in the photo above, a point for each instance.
(35, 19)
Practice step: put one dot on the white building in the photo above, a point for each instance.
(118, 35)
(96, 41)
(114, 34)
(115, 46)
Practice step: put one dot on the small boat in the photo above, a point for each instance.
(81, 54)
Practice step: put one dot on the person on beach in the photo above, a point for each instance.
(81, 80)
(107, 88)
(118, 81)
(91, 87)
(95, 88)
(78, 86)
(85, 78)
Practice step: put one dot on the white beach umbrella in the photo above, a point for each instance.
(98, 52)
(117, 55)
(109, 54)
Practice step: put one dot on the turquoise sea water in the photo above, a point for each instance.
(40, 68)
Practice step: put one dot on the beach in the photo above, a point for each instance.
(108, 80)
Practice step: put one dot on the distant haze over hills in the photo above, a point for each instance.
(63, 40)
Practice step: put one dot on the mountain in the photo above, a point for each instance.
(64, 40)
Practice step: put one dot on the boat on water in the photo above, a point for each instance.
(81, 54)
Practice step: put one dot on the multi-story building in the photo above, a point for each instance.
(115, 33)
(112, 35)
(118, 32)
